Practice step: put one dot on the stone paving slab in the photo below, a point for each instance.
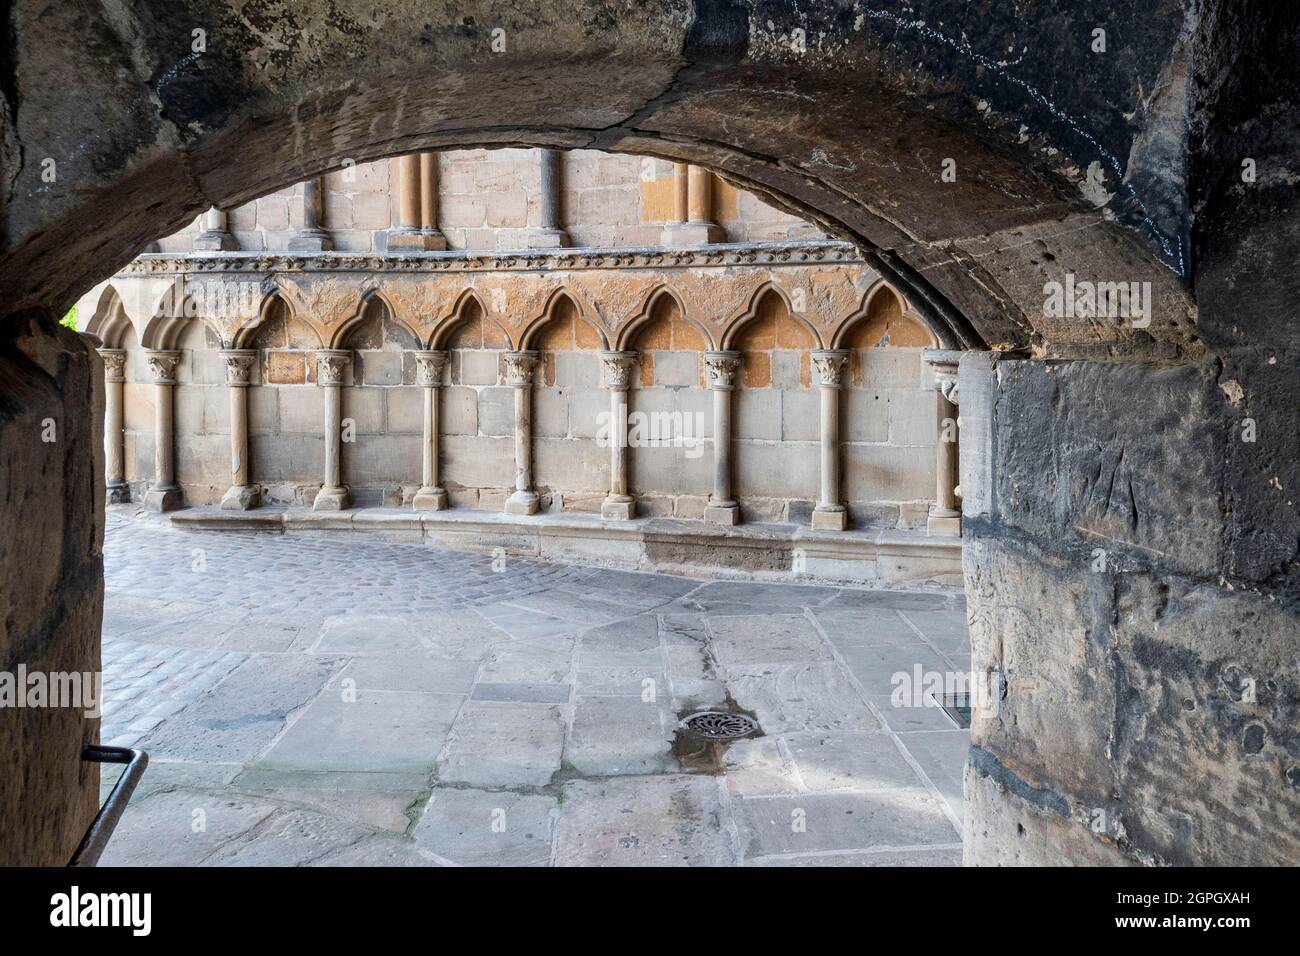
(663, 820)
(287, 838)
(767, 639)
(373, 732)
(939, 856)
(482, 828)
(496, 744)
(550, 692)
(182, 827)
(789, 698)
(809, 823)
(865, 627)
(619, 735)
(244, 712)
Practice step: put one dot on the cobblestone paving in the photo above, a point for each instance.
(338, 700)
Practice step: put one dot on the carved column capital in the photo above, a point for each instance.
(520, 367)
(162, 365)
(239, 366)
(722, 368)
(616, 369)
(114, 364)
(332, 366)
(829, 364)
(429, 368)
(944, 363)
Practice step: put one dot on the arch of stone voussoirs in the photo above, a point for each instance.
(582, 306)
(734, 324)
(629, 330)
(712, 84)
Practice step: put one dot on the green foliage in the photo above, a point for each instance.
(69, 321)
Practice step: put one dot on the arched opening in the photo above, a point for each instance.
(972, 255)
(569, 464)
(476, 433)
(382, 415)
(669, 419)
(775, 413)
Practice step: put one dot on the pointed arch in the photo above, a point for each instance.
(548, 312)
(736, 323)
(371, 296)
(109, 321)
(460, 312)
(875, 301)
(627, 335)
(275, 307)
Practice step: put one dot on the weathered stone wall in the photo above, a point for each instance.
(488, 200)
(668, 314)
(52, 590)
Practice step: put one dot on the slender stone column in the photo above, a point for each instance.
(722, 367)
(429, 231)
(428, 375)
(548, 233)
(945, 516)
(519, 375)
(164, 494)
(114, 437)
(616, 370)
(693, 208)
(310, 235)
(331, 370)
(215, 236)
(681, 192)
(239, 375)
(830, 513)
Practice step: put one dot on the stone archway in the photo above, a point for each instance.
(971, 174)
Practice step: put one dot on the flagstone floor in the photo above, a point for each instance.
(338, 700)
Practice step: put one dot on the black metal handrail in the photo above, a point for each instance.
(101, 830)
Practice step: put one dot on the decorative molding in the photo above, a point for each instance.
(829, 364)
(429, 368)
(162, 365)
(519, 368)
(239, 365)
(722, 368)
(794, 253)
(616, 369)
(114, 364)
(332, 366)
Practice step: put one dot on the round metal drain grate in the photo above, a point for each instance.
(722, 726)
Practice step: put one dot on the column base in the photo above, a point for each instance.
(618, 509)
(722, 514)
(241, 498)
(692, 234)
(215, 242)
(332, 499)
(943, 523)
(430, 499)
(163, 499)
(117, 492)
(311, 240)
(522, 503)
(546, 239)
(830, 519)
(416, 241)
